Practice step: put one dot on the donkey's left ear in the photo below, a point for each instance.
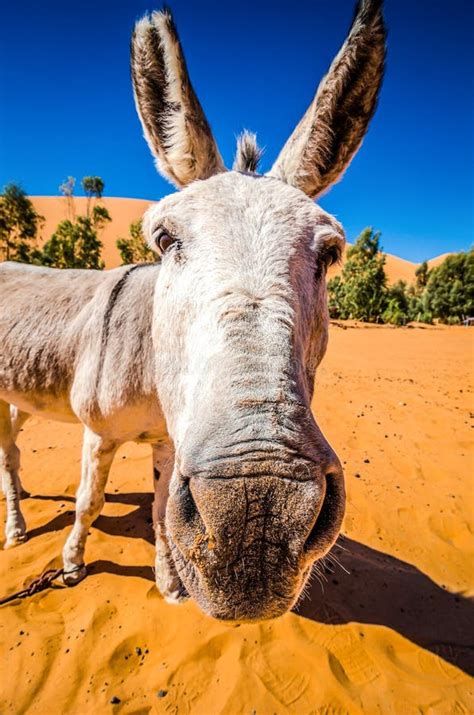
(173, 121)
(331, 131)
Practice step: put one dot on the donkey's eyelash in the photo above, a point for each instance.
(327, 257)
(331, 255)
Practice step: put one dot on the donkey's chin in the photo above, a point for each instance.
(256, 602)
(243, 599)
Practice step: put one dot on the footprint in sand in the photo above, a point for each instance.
(349, 662)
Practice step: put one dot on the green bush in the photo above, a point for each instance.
(134, 249)
(393, 314)
(76, 243)
(19, 226)
(449, 292)
(445, 293)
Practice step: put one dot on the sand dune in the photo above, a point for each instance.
(125, 211)
(438, 260)
(122, 211)
(391, 637)
(397, 269)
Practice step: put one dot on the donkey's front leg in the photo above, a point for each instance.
(18, 419)
(167, 580)
(97, 456)
(10, 424)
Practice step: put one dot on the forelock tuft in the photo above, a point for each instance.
(248, 154)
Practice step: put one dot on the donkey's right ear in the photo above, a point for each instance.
(173, 121)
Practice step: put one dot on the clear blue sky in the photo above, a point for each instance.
(66, 105)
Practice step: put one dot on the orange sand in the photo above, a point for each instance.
(125, 211)
(391, 637)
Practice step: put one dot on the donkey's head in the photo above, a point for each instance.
(240, 324)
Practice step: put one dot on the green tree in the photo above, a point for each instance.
(445, 293)
(421, 277)
(134, 249)
(360, 292)
(93, 187)
(416, 310)
(449, 292)
(397, 304)
(67, 190)
(19, 225)
(336, 294)
(76, 244)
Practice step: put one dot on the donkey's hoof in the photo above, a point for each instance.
(15, 540)
(175, 597)
(71, 578)
(175, 593)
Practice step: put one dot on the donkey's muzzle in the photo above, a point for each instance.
(244, 546)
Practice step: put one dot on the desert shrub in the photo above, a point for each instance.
(134, 248)
(19, 226)
(336, 298)
(76, 243)
(445, 293)
(421, 277)
(449, 292)
(93, 187)
(397, 311)
(393, 314)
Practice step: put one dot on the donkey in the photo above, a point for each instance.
(216, 346)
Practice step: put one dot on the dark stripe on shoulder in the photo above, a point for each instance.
(113, 297)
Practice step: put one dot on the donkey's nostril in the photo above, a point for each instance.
(187, 504)
(328, 522)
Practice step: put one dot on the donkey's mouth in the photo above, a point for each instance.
(243, 546)
(328, 522)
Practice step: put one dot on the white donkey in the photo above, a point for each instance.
(217, 346)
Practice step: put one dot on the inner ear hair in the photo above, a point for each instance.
(173, 120)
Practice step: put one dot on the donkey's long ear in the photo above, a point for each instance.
(331, 131)
(173, 121)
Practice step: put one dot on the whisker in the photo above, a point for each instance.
(341, 565)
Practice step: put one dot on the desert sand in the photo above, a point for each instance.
(385, 630)
(126, 211)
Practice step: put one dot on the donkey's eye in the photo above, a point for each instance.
(331, 256)
(163, 241)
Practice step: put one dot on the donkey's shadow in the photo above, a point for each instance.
(367, 586)
(380, 589)
(137, 524)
